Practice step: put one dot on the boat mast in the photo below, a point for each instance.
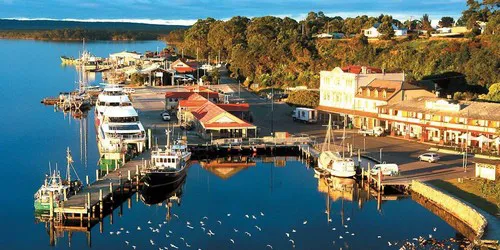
(326, 144)
(343, 137)
(167, 133)
(69, 160)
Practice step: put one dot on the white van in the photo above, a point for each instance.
(305, 115)
(386, 168)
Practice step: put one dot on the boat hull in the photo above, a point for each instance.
(159, 179)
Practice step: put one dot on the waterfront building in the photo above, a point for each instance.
(444, 121)
(125, 58)
(372, 32)
(338, 88)
(172, 99)
(183, 66)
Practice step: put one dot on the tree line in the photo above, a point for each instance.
(283, 52)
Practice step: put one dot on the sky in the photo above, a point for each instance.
(188, 11)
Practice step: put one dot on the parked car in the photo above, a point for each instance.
(128, 90)
(430, 157)
(165, 116)
(386, 168)
(376, 131)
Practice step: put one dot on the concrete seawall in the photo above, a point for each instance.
(457, 208)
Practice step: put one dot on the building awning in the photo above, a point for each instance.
(346, 111)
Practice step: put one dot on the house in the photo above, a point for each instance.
(173, 98)
(487, 169)
(183, 66)
(125, 58)
(444, 121)
(372, 32)
(379, 93)
(338, 88)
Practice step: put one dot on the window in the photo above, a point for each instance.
(360, 91)
(384, 94)
(376, 93)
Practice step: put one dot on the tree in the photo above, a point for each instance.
(385, 28)
(493, 93)
(446, 21)
(425, 23)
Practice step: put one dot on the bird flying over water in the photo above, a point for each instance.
(249, 235)
(305, 222)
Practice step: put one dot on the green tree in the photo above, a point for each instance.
(425, 23)
(446, 21)
(493, 93)
(385, 28)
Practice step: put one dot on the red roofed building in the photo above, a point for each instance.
(182, 66)
(213, 121)
(172, 98)
(357, 69)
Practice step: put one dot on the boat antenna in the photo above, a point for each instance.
(50, 168)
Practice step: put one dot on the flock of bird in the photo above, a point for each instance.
(172, 240)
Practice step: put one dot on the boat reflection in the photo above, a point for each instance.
(170, 193)
(227, 167)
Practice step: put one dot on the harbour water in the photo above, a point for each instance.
(277, 199)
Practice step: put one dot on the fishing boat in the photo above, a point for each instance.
(59, 188)
(68, 60)
(111, 96)
(169, 165)
(333, 162)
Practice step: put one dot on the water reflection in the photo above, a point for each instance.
(169, 194)
(227, 167)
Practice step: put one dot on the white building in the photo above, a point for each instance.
(373, 32)
(125, 58)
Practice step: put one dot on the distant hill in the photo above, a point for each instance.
(77, 30)
(7, 24)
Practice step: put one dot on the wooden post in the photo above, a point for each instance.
(101, 203)
(362, 176)
(369, 174)
(380, 180)
(107, 169)
(87, 179)
(128, 175)
(51, 205)
(116, 164)
(136, 169)
(88, 207)
(149, 138)
(65, 194)
(97, 174)
(359, 156)
(123, 159)
(111, 190)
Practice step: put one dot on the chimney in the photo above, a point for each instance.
(363, 69)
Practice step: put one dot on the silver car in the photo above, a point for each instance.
(429, 157)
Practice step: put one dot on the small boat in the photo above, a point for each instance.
(55, 185)
(333, 162)
(68, 60)
(167, 166)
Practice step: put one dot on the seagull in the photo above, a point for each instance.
(182, 238)
(287, 235)
(190, 227)
(430, 236)
(352, 234)
(345, 226)
(228, 215)
(111, 232)
(149, 222)
(203, 229)
(246, 215)
(340, 237)
(173, 246)
(187, 245)
(220, 222)
(293, 231)
(133, 247)
(330, 220)
(434, 229)
(118, 232)
(379, 236)
(389, 243)
(159, 225)
(210, 232)
(235, 230)
(293, 242)
(138, 228)
(262, 214)
(176, 216)
(170, 232)
(126, 242)
(152, 242)
(188, 223)
(305, 222)
(167, 236)
(249, 235)
(348, 218)
(347, 232)
(231, 240)
(205, 218)
(258, 228)
(333, 229)
(269, 246)
(127, 232)
(121, 229)
(253, 217)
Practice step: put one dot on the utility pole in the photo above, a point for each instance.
(239, 89)
(272, 111)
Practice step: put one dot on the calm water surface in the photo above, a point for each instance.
(34, 135)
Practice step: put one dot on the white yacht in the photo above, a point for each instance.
(121, 125)
(111, 96)
(333, 162)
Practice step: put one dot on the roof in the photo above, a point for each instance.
(179, 94)
(191, 95)
(209, 111)
(126, 54)
(346, 111)
(391, 88)
(122, 111)
(192, 103)
(184, 69)
(235, 107)
(394, 27)
(468, 109)
(356, 69)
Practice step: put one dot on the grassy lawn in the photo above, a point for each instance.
(482, 193)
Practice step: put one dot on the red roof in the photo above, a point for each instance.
(243, 107)
(228, 125)
(192, 103)
(184, 69)
(180, 94)
(208, 111)
(356, 69)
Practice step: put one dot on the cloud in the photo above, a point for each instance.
(124, 20)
